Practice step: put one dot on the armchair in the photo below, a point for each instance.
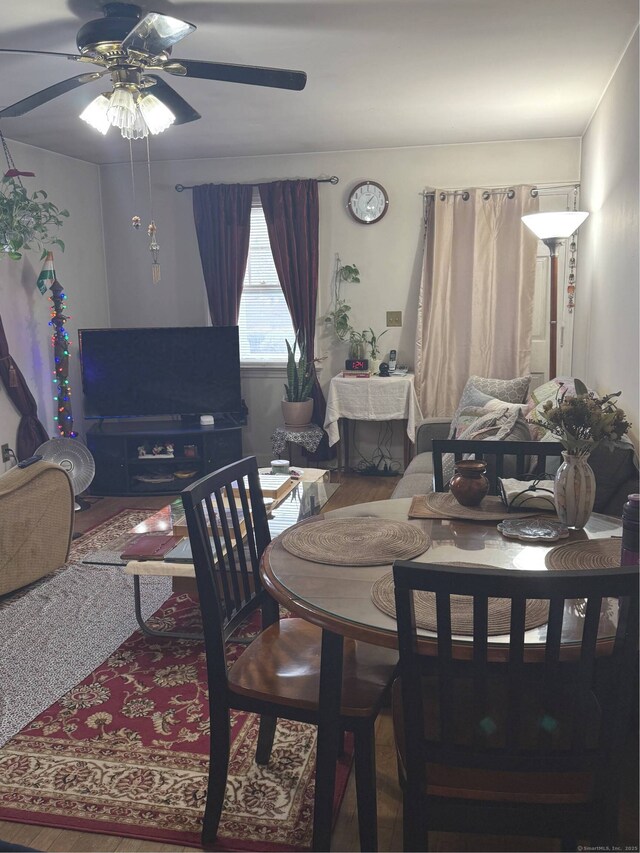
(36, 523)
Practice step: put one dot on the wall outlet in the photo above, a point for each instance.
(6, 456)
(394, 318)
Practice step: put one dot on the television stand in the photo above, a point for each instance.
(158, 457)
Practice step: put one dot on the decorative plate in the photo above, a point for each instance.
(533, 529)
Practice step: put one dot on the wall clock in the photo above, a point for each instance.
(368, 202)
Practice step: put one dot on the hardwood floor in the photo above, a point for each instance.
(354, 489)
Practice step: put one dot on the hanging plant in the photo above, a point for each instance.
(338, 316)
(27, 222)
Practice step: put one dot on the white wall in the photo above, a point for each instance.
(387, 253)
(75, 185)
(607, 314)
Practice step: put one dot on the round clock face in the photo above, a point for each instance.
(368, 202)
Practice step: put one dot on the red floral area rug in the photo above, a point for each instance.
(125, 752)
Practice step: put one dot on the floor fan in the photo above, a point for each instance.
(75, 458)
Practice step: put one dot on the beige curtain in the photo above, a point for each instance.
(476, 294)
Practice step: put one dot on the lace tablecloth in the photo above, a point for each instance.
(309, 437)
(378, 398)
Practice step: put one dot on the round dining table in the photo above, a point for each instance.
(338, 599)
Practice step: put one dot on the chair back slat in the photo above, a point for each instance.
(480, 641)
(527, 458)
(516, 670)
(543, 706)
(228, 532)
(443, 619)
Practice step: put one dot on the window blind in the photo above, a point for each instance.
(264, 322)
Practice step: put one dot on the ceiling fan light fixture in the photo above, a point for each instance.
(95, 114)
(157, 116)
(122, 109)
(138, 130)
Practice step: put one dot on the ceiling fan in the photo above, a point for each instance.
(130, 46)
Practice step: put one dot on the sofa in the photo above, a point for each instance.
(36, 523)
(616, 470)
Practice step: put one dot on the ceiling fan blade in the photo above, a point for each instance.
(156, 33)
(75, 56)
(48, 94)
(253, 75)
(183, 111)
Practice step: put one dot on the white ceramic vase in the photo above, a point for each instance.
(574, 490)
(374, 365)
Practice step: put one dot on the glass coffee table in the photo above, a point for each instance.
(307, 497)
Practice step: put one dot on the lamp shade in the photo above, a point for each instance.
(157, 116)
(555, 224)
(96, 114)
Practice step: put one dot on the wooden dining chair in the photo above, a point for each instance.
(509, 738)
(518, 459)
(277, 675)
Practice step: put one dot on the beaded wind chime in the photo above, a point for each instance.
(573, 246)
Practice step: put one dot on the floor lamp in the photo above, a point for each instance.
(551, 228)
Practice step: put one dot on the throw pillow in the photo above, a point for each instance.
(479, 387)
(551, 390)
(504, 424)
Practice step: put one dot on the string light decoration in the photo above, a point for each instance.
(60, 343)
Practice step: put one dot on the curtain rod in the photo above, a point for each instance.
(332, 180)
(508, 191)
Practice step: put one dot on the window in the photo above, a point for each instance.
(264, 321)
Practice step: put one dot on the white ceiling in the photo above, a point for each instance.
(381, 73)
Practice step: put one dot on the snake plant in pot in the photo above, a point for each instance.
(297, 406)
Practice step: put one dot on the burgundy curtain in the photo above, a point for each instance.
(292, 215)
(31, 433)
(222, 215)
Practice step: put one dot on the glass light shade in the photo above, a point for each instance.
(555, 224)
(122, 110)
(138, 130)
(95, 114)
(157, 116)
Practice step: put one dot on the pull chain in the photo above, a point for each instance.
(135, 219)
(152, 230)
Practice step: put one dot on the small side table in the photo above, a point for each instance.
(308, 437)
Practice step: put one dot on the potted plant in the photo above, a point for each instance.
(338, 316)
(297, 406)
(27, 222)
(581, 423)
(371, 340)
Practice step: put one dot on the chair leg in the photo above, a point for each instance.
(218, 769)
(365, 765)
(414, 832)
(265, 738)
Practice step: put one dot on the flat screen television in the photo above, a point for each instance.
(160, 371)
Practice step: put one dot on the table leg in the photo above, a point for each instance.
(329, 738)
(151, 632)
(345, 441)
(407, 446)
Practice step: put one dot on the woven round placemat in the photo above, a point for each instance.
(444, 505)
(356, 541)
(588, 554)
(499, 609)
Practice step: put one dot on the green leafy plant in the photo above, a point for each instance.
(27, 222)
(584, 421)
(338, 316)
(301, 372)
(371, 340)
